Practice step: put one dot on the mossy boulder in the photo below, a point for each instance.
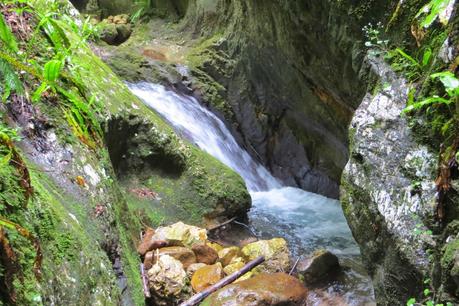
(275, 252)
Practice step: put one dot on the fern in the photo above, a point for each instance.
(6, 36)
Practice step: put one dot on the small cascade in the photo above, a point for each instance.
(307, 220)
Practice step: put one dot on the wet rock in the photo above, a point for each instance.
(227, 254)
(217, 247)
(108, 32)
(184, 255)
(193, 268)
(235, 265)
(120, 19)
(124, 32)
(206, 277)
(275, 252)
(318, 266)
(168, 281)
(145, 244)
(205, 254)
(262, 290)
(180, 234)
(149, 260)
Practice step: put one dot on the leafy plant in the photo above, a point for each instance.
(432, 10)
(451, 85)
(8, 74)
(143, 8)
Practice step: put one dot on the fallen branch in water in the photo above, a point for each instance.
(294, 266)
(197, 298)
(221, 224)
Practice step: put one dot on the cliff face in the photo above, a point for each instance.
(72, 189)
(291, 77)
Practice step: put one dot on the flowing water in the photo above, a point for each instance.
(308, 221)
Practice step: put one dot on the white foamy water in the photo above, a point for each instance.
(308, 221)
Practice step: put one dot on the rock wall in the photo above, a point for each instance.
(289, 71)
(388, 188)
(93, 193)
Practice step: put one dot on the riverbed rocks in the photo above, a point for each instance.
(227, 254)
(205, 254)
(191, 263)
(206, 276)
(181, 234)
(262, 290)
(275, 252)
(318, 266)
(115, 30)
(168, 281)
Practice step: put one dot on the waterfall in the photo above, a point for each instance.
(308, 221)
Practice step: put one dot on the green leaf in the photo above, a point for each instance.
(7, 36)
(411, 302)
(36, 96)
(408, 57)
(426, 292)
(52, 70)
(426, 57)
(428, 101)
(10, 79)
(448, 80)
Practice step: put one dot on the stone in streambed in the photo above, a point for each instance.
(318, 266)
(215, 246)
(206, 277)
(227, 254)
(205, 254)
(275, 251)
(148, 243)
(181, 234)
(182, 254)
(144, 245)
(262, 290)
(193, 268)
(167, 281)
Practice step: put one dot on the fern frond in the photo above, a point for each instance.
(10, 79)
(7, 36)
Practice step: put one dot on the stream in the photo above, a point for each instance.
(306, 220)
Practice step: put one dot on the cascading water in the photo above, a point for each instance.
(307, 220)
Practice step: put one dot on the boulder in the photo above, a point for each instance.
(168, 281)
(124, 32)
(319, 265)
(233, 267)
(148, 243)
(262, 290)
(180, 234)
(275, 251)
(205, 254)
(215, 246)
(120, 19)
(227, 254)
(206, 277)
(193, 268)
(145, 244)
(108, 32)
(182, 254)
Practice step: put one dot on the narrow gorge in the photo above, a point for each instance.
(320, 135)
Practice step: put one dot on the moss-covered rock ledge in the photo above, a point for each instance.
(83, 195)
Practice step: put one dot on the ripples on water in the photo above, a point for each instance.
(306, 220)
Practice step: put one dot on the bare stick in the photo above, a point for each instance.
(146, 291)
(294, 266)
(221, 224)
(197, 298)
